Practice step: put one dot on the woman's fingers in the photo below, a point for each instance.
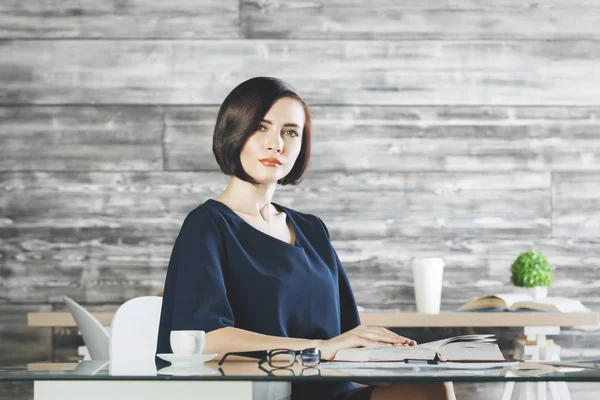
(382, 338)
(384, 335)
(399, 337)
(394, 337)
(357, 340)
(388, 332)
(379, 331)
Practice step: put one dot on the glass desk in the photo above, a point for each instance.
(235, 379)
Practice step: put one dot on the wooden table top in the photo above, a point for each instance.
(391, 319)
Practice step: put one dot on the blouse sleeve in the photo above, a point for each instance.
(195, 295)
(349, 317)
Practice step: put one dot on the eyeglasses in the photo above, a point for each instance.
(306, 371)
(281, 358)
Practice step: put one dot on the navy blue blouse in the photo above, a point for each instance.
(224, 272)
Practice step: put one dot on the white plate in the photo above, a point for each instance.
(186, 359)
(187, 370)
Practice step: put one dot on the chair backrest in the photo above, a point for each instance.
(133, 336)
(95, 336)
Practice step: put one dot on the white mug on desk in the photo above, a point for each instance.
(427, 279)
(188, 342)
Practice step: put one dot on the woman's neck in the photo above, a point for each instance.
(250, 199)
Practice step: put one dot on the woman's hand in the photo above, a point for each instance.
(362, 336)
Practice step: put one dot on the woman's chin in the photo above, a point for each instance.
(267, 178)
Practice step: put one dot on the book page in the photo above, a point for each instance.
(476, 351)
(384, 353)
(400, 353)
(500, 301)
(512, 298)
(560, 304)
(424, 351)
(462, 338)
(394, 368)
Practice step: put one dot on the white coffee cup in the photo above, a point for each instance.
(427, 279)
(188, 342)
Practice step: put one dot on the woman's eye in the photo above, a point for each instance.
(261, 128)
(292, 133)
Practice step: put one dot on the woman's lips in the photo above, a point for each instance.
(271, 162)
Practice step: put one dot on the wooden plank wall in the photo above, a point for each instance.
(462, 129)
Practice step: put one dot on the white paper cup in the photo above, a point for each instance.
(427, 279)
(188, 342)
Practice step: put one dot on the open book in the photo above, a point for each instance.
(518, 301)
(456, 349)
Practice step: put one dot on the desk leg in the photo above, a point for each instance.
(554, 391)
(536, 347)
(147, 390)
(519, 390)
(509, 388)
(559, 390)
(530, 390)
(541, 390)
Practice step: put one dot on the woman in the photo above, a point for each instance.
(256, 275)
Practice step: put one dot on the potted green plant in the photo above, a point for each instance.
(532, 270)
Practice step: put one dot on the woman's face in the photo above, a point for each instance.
(277, 138)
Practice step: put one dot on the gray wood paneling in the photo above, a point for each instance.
(375, 205)
(383, 138)
(103, 200)
(388, 19)
(380, 274)
(111, 266)
(16, 390)
(381, 19)
(18, 343)
(188, 138)
(346, 72)
(576, 205)
(102, 265)
(361, 138)
(81, 138)
(108, 235)
(579, 343)
(119, 19)
(356, 205)
(467, 130)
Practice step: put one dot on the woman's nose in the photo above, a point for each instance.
(275, 142)
(276, 149)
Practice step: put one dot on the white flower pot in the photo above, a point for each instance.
(538, 292)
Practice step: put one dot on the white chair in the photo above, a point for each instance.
(133, 338)
(95, 336)
(134, 333)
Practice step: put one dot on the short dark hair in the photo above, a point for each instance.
(238, 118)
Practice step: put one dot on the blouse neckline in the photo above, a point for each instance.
(278, 207)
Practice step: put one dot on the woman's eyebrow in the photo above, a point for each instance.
(287, 124)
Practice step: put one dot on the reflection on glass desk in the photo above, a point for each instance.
(244, 380)
(250, 371)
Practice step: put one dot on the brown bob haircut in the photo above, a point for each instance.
(238, 118)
